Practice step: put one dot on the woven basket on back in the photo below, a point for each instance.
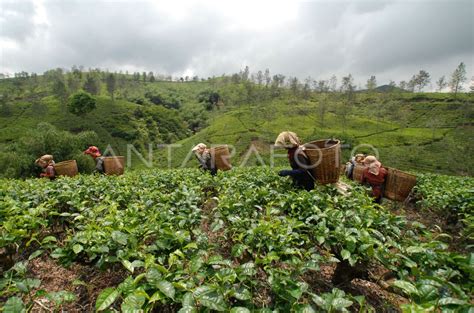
(221, 156)
(357, 172)
(398, 184)
(325, 156)
(66, 168)
(114, 165)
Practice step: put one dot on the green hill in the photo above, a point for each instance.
(431, 135)
(412, 131)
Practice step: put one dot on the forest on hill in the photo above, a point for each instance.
(62, 112)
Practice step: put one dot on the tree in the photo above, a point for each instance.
(333, 83)
(294, 86)
(471, 87)
(245, 74)
(403, 85)
(59, 89)
(91, 85)
(307, 87)
(81, 103)
(209, 98)
(259, 77)
(457, 79)
(441, 83)
(422, 79)
(151, 77)
(347, 84)
(268, 78)
(110, 82)
(322, 109)
(371, 83)
(322, 86)
(411, 84)
(345, 106)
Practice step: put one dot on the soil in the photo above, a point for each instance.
(216, 239)
(373, 281)
(55, 277)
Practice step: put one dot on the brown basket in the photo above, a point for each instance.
(357, 172)
(398, 184)
(325, 155)
(66, 168)
(114, 165)
(221, 156)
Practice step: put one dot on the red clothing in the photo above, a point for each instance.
(49, 172)
(375, 181)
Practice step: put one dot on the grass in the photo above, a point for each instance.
(411, 131)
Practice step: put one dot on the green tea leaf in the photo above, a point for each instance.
(14, 305)
(407, 287)
(345, 254)
(77, 248)
(119, 237)
(106, 298)
(166, 288)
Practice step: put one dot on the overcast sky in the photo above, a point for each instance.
(389, 39)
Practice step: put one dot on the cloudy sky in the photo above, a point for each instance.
(389, 39)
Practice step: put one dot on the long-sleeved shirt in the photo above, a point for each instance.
(298, 161)
(49, 172)
(375, 181)
(99, 164)
(205, 162)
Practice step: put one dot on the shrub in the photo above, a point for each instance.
(17, 160)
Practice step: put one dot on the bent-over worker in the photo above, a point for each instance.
(203, 154)
(299, 161)
(357, 159)
(47, 163)
(374, 175)
(94, 152)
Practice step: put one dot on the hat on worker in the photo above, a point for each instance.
(199, 146)
(93, 151)
(47, 158)
(287, 139)
(373, 164)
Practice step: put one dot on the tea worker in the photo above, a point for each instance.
(203, 155)
(298, 160)
(47, 163)
(374, 175)
(357, 159)
(94, 152)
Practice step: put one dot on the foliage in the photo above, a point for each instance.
(450, 197)
(18, 159)
(209, 98)
(81, 103)
(242, 241)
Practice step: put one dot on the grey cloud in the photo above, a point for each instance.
(391, 39)
(16, 19)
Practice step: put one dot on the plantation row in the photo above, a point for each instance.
(243, 241)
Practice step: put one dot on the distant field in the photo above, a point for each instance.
(420, 132)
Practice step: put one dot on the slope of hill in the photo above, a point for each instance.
(432, 135)
(421, 132)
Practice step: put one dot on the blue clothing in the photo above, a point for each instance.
(300, 175)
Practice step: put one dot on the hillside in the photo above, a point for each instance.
(420, 132)
(433, 134)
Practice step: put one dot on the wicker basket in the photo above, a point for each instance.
(114, 165)
(398, 184)
(357, 172)
(66, 168)
(221, 156)
(325, 156)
